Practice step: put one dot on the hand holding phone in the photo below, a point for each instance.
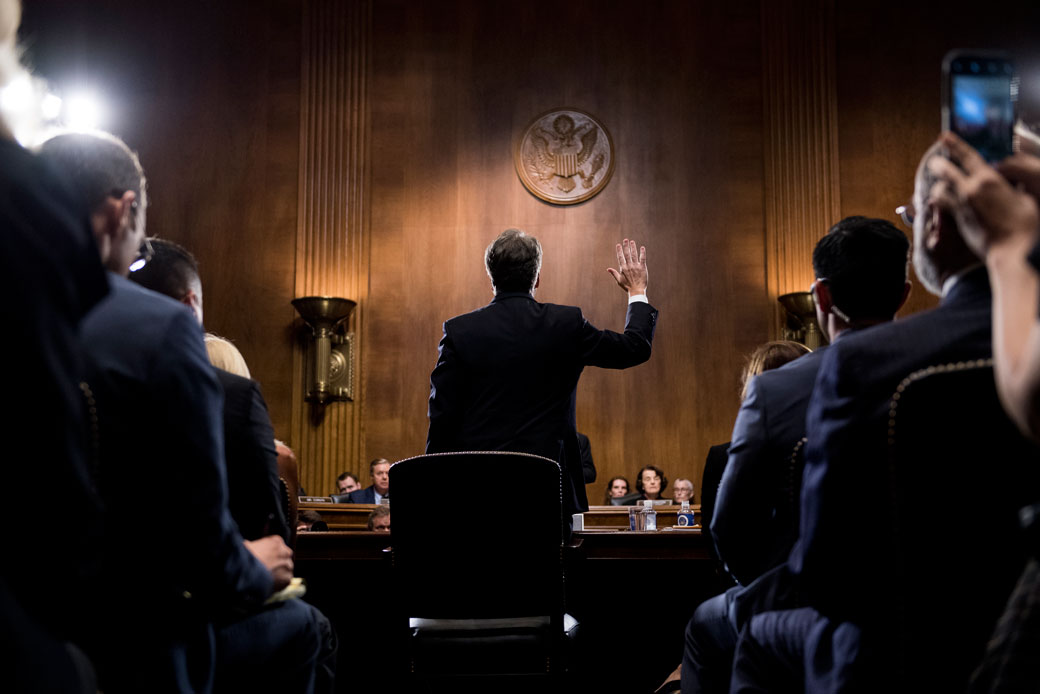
(980, 94)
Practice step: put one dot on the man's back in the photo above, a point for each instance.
(506, 377)
(841, 551)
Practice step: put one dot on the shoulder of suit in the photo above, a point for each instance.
(232, 381)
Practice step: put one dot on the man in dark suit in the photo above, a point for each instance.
(52, 277)
(158, 409)
(845, 564)
(374, 493)
(251, 461)
(506, 374)
(861, 267)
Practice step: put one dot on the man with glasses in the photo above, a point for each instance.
(849, 565)
(861, 267)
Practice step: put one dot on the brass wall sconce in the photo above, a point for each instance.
(330, 363)
(801, 323)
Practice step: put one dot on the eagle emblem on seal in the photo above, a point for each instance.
(565, 156)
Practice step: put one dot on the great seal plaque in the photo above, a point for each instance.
(565, 156)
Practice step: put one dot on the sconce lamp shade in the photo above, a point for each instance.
(332, 375)
(323, 312)
(801, 319)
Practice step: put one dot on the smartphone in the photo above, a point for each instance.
(980, 95)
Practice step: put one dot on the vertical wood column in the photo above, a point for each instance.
(800, 122)
(332, 233)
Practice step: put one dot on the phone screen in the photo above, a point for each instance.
(981, 106)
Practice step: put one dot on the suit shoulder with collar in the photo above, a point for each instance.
(363, 496)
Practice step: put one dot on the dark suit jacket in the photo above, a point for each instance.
(506, 379)
(52, 276)
(755, 522)
(840, 557)
(588, 465)
(254, 492)
(362, 496)
(161, 437)
(714, 467)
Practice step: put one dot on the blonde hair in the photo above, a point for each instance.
(224, 355)
(769, 356)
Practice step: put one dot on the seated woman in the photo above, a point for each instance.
(224, 355)
(617, 487)
(651, 482)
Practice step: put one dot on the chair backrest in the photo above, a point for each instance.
(958, 472)
(289, 480)
(509, 567)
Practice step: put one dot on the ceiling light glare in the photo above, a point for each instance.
(50, 107)
(17, 96)
(83, 111)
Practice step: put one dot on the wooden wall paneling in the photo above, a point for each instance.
(802, 191)
(453, 83)
(331, 237)
(889, 58)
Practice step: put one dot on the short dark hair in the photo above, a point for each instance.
(660, 473)
(351, 475)
(96, 165)
(171, 270)
(864, 261)
(513, 261)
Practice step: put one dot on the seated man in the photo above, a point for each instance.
(379, 519)
(347, 482)
(848, 567)
(861, 281)
(157, 401)
(379, 469)
(682, 490)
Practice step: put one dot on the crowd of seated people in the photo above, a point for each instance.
(821, 603)
(120, 364)
(180, 603)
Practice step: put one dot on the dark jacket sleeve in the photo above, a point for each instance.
(446, 387)
(610, 350)
(254, 491)
(588, 466)
(743, 508)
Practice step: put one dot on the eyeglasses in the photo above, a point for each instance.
(144, 254)
(906, 213)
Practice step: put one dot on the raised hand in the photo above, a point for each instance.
(1004, 212)
(631, 274)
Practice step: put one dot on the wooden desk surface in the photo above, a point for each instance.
(589, 544)
(340, 516)
(355, 516)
